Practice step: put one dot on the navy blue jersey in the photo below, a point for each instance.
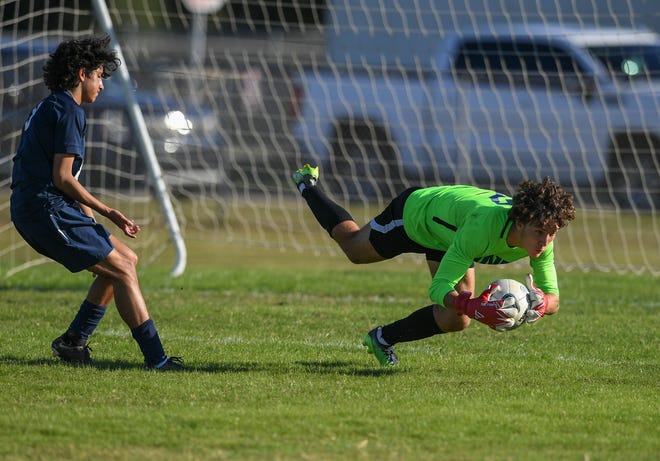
(57, 125)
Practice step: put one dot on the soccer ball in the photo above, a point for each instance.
(509, 288)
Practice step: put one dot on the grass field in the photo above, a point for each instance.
(277, 371)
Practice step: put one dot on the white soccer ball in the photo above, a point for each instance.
(510, 288)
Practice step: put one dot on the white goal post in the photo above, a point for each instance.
(145, 145)
(234, 99)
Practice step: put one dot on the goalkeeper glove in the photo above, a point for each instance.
(497, 314)
(538, 301)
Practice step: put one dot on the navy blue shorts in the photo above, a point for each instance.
(67, 236)
(388, 237)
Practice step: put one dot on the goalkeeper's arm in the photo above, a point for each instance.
(540, 303)
(553, 304)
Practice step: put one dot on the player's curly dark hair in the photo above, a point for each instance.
(543, 203)
(61, 69)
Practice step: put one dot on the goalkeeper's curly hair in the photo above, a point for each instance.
(61, 69)
(544, 203)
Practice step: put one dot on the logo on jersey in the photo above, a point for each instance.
(501, 199)
(491, 259)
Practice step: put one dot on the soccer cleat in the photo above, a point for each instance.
(306, 175)
(171, 364)
(76, 352)
(384, 354)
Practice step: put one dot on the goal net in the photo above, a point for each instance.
(236, 99)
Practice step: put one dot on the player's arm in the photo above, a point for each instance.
(540, 303)
(64, 180)
(544, 298)
(452, 268)
(553, 304)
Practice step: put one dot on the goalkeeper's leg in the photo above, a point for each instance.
(419, 325)
(430, 320)
(423, 323)
(338, 222)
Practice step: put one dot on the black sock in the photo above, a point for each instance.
(86, 320)
(147, 338)
(418, 325)
(326, 212)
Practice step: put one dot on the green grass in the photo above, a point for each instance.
(278, 373)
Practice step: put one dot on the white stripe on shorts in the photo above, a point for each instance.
(384, 229)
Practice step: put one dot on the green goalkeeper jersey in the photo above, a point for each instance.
(470, 225)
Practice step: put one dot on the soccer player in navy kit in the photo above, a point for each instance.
(54, 212)
(455, 226)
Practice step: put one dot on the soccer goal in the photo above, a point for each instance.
(381, 95)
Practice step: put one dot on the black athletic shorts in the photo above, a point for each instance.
(388, 237)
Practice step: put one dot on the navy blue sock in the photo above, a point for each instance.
(147, 338)
(86, 320)
(418, 325)
(326, 212)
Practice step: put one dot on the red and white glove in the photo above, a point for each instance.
(538, 301)
(497, 314)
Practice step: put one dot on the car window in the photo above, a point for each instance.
(630, 62)
(516, 63)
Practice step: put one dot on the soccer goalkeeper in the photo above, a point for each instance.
(455, 227)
